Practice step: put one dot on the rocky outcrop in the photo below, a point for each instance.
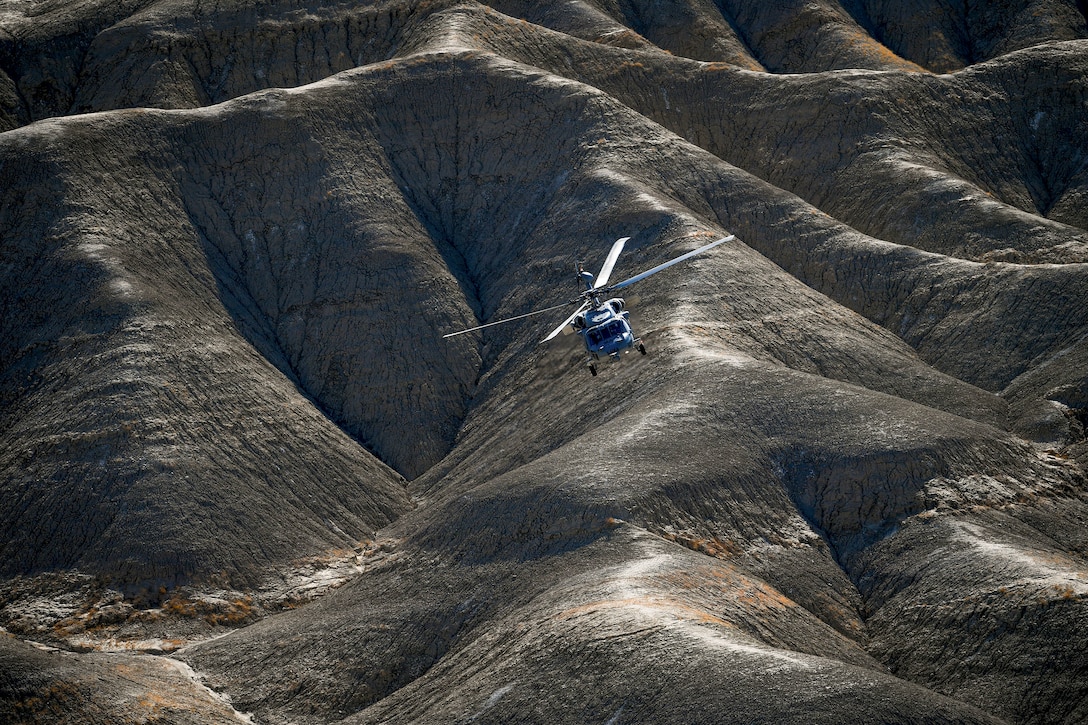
(65, 58)
(45, 685)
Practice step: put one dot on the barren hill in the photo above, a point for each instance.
(242, 474)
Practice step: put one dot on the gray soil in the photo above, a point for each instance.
(244, 478)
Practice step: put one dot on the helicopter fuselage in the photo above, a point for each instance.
(606, 329)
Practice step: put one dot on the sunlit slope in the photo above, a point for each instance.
(60, 58)
(845, 483)
(771, 429)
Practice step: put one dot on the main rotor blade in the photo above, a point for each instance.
(556, 331)
(610, 262)
(671, 262)
(510, 319)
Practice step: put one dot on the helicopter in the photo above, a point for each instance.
(601, 319)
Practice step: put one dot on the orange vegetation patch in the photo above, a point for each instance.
(701, 615)
(602, 604)
(218, 612)
(677, 608)
(876, 50)
(724, 579)
(156, 706)
(51, 700)
(1064, 591)
(764, 596)
(718, 548)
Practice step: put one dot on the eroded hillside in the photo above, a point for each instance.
(242, 474)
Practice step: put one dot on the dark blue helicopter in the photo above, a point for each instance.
(601, 320)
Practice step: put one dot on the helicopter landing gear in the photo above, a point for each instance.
(642, 348)
(593, 370)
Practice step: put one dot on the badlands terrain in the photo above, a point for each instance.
(244, 478)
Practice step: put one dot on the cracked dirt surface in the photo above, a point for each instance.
(244, 478)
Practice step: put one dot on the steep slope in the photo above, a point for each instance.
(134, 409)
(944, 37)
(846, 483)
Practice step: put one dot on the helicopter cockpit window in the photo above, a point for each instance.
(599, 334)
